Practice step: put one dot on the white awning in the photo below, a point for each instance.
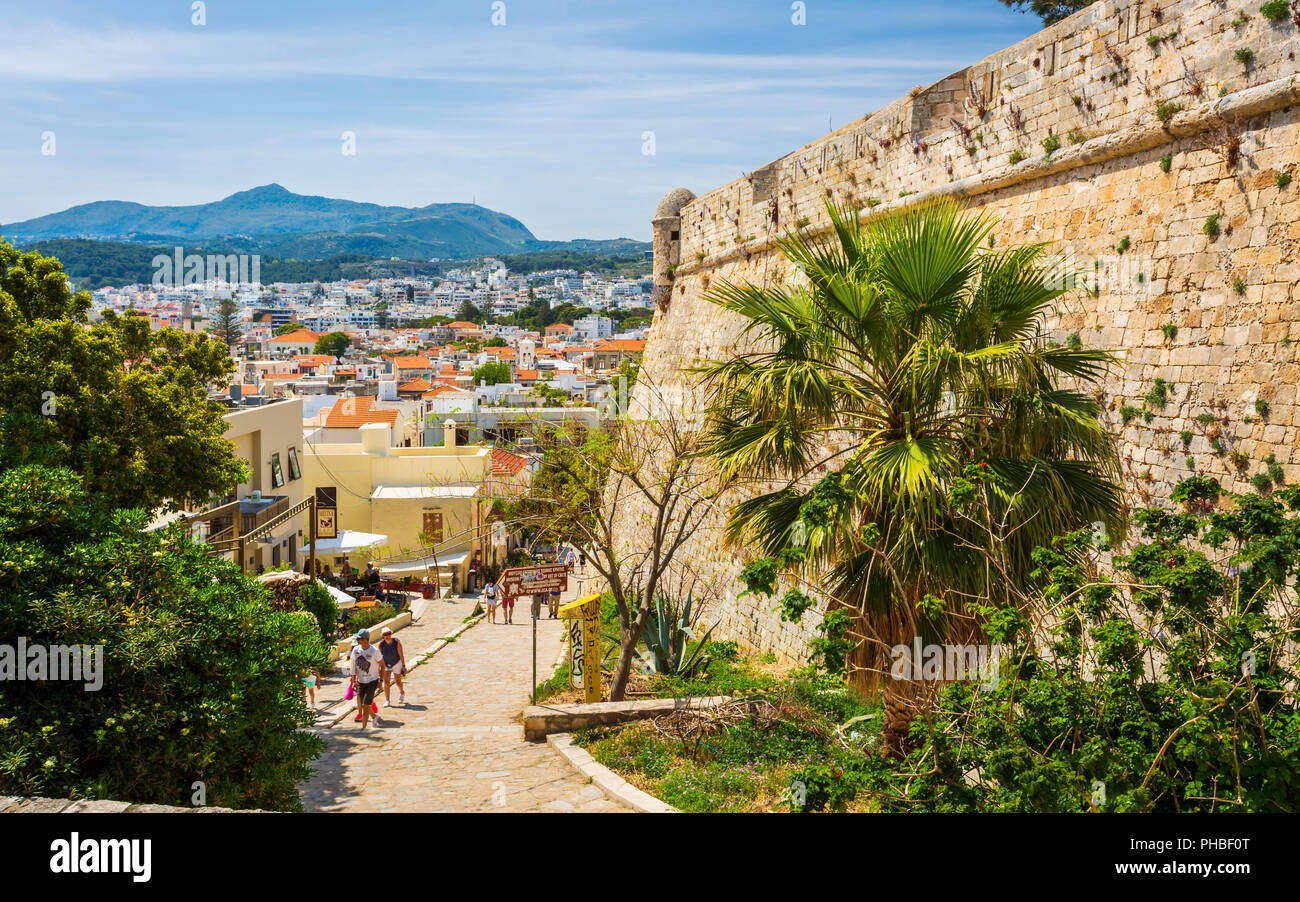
(443, 561)
(455, 490)
(347, 542)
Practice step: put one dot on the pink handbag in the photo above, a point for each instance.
(352, 691)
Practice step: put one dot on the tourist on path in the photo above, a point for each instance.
(309, 684)
(394, 666)
(367, 664)
(490, 594)
(508, 608)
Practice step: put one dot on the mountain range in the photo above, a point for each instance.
(274, 221)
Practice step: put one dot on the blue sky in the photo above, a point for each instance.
(541, 118)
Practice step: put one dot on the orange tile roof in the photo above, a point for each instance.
(506, 464)
(298, 336)
(350, 413)
(415, 385)
(412, 363)
(313, 359)
(438, 390)
(447, 370)
(620, 344)
(462, 324)
(526, 375)
(559, 327)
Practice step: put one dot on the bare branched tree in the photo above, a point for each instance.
(630, 497)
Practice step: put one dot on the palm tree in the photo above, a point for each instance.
(922, 434)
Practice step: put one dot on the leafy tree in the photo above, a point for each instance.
(494, 372)
(226, 324)
(469, 313)
(922, 354)
(200, 677)
(381, 314)
(496, 341)
(1048, 10)
(333, 344)
(287, 328)
(122, 405)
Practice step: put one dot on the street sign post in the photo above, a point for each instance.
(543, 579)
(584, 645)
(540, 580)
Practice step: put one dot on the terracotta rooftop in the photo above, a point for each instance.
(506, 464)
(350, 413)
(298, 336)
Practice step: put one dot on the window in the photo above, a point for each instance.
(432, 532)
(295, 472)
(277, 475)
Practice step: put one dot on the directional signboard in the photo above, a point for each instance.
(540, 580)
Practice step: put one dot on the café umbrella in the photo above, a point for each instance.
(347, 541)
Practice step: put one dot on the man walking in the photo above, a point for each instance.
(394, 667)
(367, 664)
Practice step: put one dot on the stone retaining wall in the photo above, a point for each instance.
(1129, 90)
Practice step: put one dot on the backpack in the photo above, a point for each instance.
(491, 590)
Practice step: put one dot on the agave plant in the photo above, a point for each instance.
(665, 635)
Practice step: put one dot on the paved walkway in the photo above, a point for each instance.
(457, 745)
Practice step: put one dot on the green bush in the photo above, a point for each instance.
(368, 617)
(200, 674)
(1077, 722)
(316, 600)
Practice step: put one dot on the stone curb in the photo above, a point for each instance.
(38, 805)
(420, 659)
(610, 783)
(543, 720)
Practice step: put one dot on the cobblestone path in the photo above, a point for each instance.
(457, 744)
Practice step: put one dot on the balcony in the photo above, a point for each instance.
(253, 512)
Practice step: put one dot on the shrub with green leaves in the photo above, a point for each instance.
(368, 617)
(1081, 721)
(200, 674)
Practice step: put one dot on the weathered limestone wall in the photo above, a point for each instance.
(1096, 82)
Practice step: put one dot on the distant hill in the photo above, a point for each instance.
(273, 220)
(95, 264)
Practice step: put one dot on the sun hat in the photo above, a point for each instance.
(363, 634)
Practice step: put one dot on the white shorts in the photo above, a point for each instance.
(396, 669)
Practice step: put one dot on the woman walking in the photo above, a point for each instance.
(394, 667)
(490, 599)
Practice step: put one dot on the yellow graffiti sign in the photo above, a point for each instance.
(584, 645)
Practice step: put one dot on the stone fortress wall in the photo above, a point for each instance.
(1118, 93)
